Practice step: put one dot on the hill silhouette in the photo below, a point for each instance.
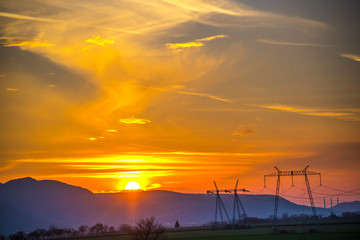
(27, 204)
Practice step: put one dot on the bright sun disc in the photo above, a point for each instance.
(132, 186)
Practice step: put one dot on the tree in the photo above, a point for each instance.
(177, 224)
(285, 217)
(148, 229)
(18, 236)
(125, 228)
(52, 231)
(99, 228)
(83, 229)
(37, 234)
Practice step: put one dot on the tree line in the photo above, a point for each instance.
(149, 228)
(144, 229)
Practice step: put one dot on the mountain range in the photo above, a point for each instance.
(27, 204)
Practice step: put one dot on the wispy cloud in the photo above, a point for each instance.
(111, 130)
(99, 41)
(156, 157)
(344, 114)
(134, 121)
(207, 39)
(180, 46)
(185, 92)
(351, 56)
(12, 89)
(295, 44)
(24, 42)
(204, 95)
(244, 130)
(196, 43)
(128, 174)
(30, 18)
(153, 186)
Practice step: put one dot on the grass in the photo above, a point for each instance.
(333, 231)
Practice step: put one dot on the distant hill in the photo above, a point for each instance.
(347, 207)
(27, 204)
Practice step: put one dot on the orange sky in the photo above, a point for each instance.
(176, 94)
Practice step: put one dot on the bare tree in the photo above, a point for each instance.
(18, 236)
(83, 229)
(99, 228)
(125, 228)
(37, 234)
(148, 229)
(111, 229)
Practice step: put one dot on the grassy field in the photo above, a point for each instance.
(338, 231)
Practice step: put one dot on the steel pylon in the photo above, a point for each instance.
(279, 173)
(219, 206)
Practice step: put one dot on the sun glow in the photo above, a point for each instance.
(132, 186)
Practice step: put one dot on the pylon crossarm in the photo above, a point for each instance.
(312, 173)
(271, 175)
(291, 173)
(220, 191)
(226, 191)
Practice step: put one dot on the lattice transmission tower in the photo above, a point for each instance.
(220, 208)
(280, 173)
(237, 205)
(219, 205)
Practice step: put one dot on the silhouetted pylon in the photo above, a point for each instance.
(279, 173)
(219, 205)
(238, 205)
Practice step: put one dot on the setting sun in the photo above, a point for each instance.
(132, 186)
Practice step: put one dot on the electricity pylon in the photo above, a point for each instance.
(238, 205)
(279, 173)
(219, 206)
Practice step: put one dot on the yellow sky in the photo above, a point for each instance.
(176, 94)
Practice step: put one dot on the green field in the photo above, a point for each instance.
(338, 231)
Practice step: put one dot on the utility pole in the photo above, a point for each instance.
(279, 173)
(219, 205)
(324, 203)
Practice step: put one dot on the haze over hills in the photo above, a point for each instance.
(27, 204)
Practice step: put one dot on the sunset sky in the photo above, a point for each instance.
(175, 94)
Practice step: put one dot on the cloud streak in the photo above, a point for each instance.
(12, 89)
(295, 44)
(354, 57)
(134, 121)
(177, 47)
(213, 97)
(191, 93)
(344, 114)
(28, 18)
(24, 42)
(98, 41)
